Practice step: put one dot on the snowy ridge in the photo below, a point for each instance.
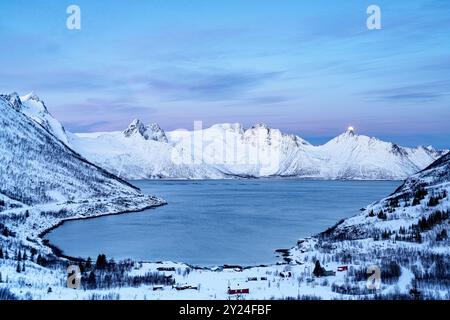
(35, 109)
(150, 132)
(230, 150)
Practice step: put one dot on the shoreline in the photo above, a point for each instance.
(268, 178)
(283, 254)
(60, 253)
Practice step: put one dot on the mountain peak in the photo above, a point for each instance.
(349, 134)
(30, 96)
(136, 126)
(261, 125)
(350, 131)
(13, 99)
(151, 132)
(156, 133)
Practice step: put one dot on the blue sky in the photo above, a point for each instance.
(306, 67)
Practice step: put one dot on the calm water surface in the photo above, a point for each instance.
(220, 222)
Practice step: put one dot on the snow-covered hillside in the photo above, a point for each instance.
(38, 168)
(229, 150)
(399, 215)
(43, 183)
(404, 236)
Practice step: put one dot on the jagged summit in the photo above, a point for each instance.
(350, 131)
(260, 125)
(13, 99)
(33, 107)
(31, 96)
(150, 132)
(136, 126)
(156, 133)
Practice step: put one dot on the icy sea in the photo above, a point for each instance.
(209, 223)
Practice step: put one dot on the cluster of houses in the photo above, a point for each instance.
(240, 291)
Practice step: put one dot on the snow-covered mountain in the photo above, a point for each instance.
(230, 150)
(35, 109)
(151, 132)
(351, 156)
(37, 168)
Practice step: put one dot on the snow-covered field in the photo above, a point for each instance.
(410, 268)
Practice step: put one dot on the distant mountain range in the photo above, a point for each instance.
(230, 150)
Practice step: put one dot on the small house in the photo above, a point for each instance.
(238, 291)
(342, 268)
(168, 269)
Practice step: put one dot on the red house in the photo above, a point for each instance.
(342, 268)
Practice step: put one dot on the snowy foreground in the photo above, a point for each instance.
(401, 240)
(404, 235)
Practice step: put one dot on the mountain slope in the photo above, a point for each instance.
(35, 108)
(419, 197)
(37, 168)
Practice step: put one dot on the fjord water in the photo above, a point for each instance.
(215, 222)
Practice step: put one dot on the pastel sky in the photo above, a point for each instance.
(306, 67)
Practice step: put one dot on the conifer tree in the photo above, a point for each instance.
(92, 281)
(101, 262)
(318, 270)
(88, 263)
